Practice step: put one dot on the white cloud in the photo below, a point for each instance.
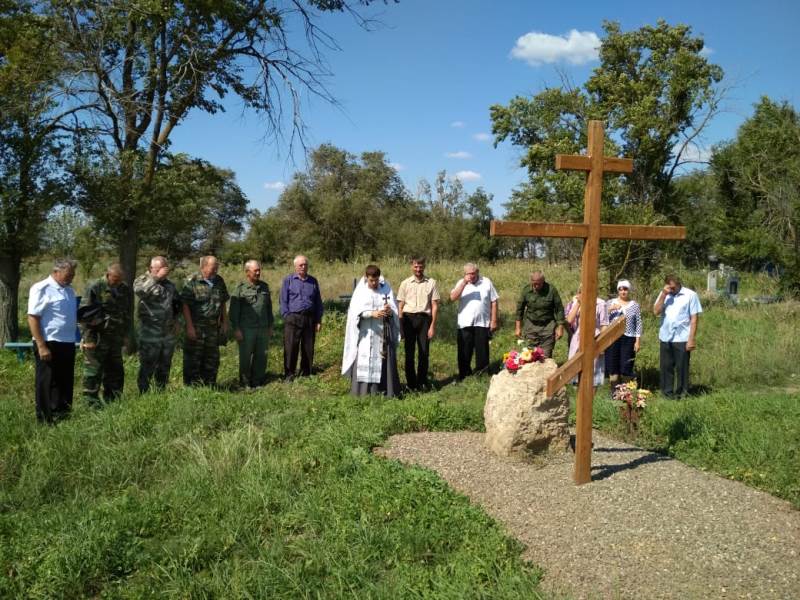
(459, 154)
(468, 176)
(397, 166)
(576, 48)
(274, 185)
(457, 124)
(706, 51)
(482, 137)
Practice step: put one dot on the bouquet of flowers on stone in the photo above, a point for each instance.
(514, 359)
(634, 401)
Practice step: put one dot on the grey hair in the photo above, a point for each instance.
(116, 269)
(251, 263)
(64, 264)
(159, 259)
(471, 265)
(297, 258)
(204, 260)
(535, 273)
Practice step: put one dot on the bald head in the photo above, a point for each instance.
(537, 280)
(252, 270)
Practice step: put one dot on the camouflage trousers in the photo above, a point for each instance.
(155, 360)
(253, 357)
(103, 365)
(201, 356)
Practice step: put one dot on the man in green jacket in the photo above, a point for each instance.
(204, 296)
(102, 342)
(251, 321)
(159, 308)
(540, 314)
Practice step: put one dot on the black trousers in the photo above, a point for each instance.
(415, 333)
(674, 360)
(55, 379)
(472, 340)
(620, 357)
(299, 335)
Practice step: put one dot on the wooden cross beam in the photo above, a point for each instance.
(592, 231)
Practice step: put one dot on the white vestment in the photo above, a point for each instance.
(364, 336)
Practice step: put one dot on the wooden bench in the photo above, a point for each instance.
(21, 348)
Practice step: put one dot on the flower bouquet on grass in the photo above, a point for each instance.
(634, 401)
(514, 359)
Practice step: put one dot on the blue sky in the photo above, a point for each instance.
(419, 87)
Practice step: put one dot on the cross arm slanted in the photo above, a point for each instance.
(570, 369)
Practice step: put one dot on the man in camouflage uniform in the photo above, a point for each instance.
(159, 306)
(102, 344)
(251, 321)
(204, 296)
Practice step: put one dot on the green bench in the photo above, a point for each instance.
(22, 348)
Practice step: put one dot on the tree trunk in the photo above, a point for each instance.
(128, 253)
(9, 298)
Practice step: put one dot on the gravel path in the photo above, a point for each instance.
(646, 527)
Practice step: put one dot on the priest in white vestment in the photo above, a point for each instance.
(371, 337)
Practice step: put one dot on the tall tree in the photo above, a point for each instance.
(30, 147)
(196, 205)
(145, 65)
(758, 189)
(656, 91)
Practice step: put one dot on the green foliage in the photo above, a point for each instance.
(758, 189)
(344, 207)
(650, 88)
(276, 493)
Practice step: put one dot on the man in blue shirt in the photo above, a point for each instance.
(301, 309)
(679, 308)
(52, 318)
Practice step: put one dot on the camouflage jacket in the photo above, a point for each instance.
(116, 303)
(159, 305)
(206, 302)
(251, 306)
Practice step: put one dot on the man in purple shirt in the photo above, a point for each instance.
(301, 309)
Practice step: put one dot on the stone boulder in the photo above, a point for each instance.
(520, 419)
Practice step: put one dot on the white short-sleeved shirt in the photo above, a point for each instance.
(57, 307)
(677, 314)
(475, 303)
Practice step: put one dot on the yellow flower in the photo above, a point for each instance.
(526, 355)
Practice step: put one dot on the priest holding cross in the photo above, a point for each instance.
(595, 164)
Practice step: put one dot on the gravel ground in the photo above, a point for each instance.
(646, 527)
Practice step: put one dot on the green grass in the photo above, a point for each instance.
(275, 493)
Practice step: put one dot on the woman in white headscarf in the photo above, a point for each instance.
(621, 355)
(371, 337)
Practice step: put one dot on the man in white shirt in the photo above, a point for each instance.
(477, 319)
(52, 318)
(679, 308)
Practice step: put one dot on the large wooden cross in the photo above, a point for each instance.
(592, 231)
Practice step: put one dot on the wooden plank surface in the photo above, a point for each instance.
(531, 229)
(617, 165)
(534, 229)
(570, 369)
(572, 162)
(641, 232)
